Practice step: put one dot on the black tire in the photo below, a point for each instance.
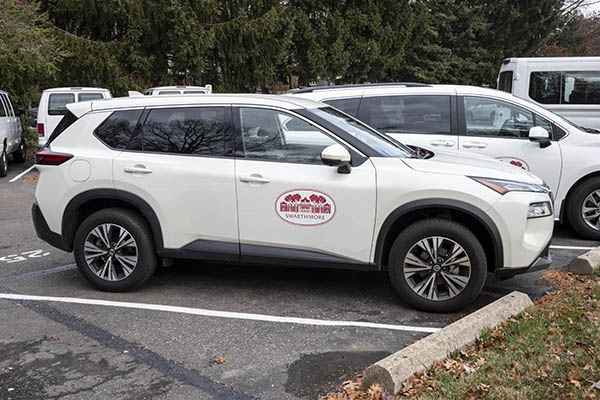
(139, 230)
(20, 154)
(574, 209)
(3, 164)
(454, 231)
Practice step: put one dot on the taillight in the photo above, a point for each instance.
(40, 129)
(49, 157)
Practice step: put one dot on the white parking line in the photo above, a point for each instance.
(570, 248)
(16, 178)
(218, 314)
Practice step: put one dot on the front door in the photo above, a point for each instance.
(500, 129)
(291, 205)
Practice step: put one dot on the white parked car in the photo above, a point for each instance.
(177, 90)
(11, 140)
(53, 106)
(569, 86)
(487, 122)
(124, 182)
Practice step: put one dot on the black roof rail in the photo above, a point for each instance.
(356, 85)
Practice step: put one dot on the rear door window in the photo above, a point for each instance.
(57, 103)
(505, 81)
(90, 96)
(9, 110)
(169, 92)
(349, 106)
(410, 114)
(193, 130)
(3, 112)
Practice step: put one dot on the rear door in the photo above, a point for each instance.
(182, 165)
(15, 124)
(421, 120)
(57, 103)
(500, 129)
(5, 126)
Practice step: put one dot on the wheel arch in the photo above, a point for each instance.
(472, 217)
(86, 203)
(563, 217)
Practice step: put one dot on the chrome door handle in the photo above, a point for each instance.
(445, 143)
(475, 145)
(137, 169)
(254, 178)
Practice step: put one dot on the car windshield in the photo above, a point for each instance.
(384, 145)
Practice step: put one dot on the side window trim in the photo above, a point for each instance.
(228, 139)
(3, 107)
(9, 108)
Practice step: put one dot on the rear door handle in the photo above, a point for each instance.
(475, 145)
(137, 169)
(254, 178)
(445, 143)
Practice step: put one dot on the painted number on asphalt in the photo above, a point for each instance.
(13, 258)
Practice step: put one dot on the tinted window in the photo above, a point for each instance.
(169, 92)
(496, 118)
(194, 92)
(2, 106)
(198, 130)
(9, 110)
(505, 81)
(278, 136)
(90, 96)
(581, 88)
(120, 130)
(349, 106)
(57, 103)
(410, 114)
(565, 87)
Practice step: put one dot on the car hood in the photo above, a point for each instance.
(470, 164)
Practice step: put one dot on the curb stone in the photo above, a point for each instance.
(586, 263)
(418, 357)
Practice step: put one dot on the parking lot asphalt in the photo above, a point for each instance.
(232, 331)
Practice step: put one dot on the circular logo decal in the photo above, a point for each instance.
(517, 162)
(305, 207)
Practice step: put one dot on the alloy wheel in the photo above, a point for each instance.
(590, 210)
(437, 268)
(110, 252)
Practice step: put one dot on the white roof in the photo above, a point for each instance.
(76, 89)
(181, 87)
(554, 59)
(284, 102)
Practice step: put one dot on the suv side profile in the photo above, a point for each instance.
(487, 122)
(280, 180)
(11, 141)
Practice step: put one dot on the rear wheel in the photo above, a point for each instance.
(583, 209)
(437, 265)
(3, 164)
(20, 155)
(114, 250)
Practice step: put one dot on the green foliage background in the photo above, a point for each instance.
(243, 45)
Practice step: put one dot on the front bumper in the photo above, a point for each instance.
(43, 231)
(543, 261)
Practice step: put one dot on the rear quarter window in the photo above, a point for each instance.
(349, 106)
(121, 130)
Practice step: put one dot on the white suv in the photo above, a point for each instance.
(11, 132)
(282, 180)
(488, 122)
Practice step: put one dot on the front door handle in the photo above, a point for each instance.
(444, 143)
(254, 178)
(137, 169)
(475, 145)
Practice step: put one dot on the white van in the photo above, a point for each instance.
(176, 90)
(569, 86)
(53, 106)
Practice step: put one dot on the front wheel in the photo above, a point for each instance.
(583, 209)
(114, 250)
(437, 265)
(3, 164)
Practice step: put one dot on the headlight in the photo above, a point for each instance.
(504, 186)
(537, 210)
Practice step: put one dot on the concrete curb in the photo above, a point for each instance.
(418, 357)
(585, 264)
